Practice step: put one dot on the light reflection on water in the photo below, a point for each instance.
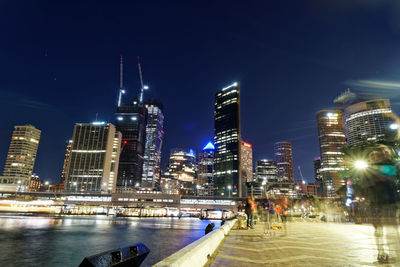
(66, 240)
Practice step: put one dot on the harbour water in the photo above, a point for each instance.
(66, 240)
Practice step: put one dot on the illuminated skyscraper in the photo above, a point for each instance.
(66, 161)
(94, 158)
(332, 141)
(246, 162)
(182, 166)
(266, 171)
(367, 121)
(284, 161)
(317, 169)
(205, 170)
(20, 159)
(131, 122)
(154, 140)
(227, 141)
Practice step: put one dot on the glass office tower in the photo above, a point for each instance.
(227, 141)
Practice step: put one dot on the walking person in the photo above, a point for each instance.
(249, 209)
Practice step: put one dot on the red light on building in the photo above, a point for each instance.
(125, 142)
(246, 144)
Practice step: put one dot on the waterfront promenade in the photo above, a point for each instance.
(306, 244)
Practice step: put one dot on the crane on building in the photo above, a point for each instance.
(121, 83)
(142, 86)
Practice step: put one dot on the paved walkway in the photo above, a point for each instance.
(306, 244)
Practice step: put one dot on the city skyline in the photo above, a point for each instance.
(304, 75)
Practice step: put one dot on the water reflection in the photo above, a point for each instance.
(66, 240)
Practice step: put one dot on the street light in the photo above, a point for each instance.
(394, 126)
(47, 185)
(229, 189)
(76, 186)
(360, 164)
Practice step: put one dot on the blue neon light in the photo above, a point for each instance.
(209, 146)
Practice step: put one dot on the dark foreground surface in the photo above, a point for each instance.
(65, 241)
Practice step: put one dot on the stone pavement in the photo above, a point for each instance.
(306, 244)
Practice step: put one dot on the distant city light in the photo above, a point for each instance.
(232, 85)
(134, 118)
(394, 126)
(209, 146)
(123, 91)
(246, 144)
(145, 87)
(120, 118)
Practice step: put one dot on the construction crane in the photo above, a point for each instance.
(121, 83)
(301, 175)
(142, 86)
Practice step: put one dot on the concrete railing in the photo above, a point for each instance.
(198, 252)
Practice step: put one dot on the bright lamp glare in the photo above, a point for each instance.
(360, 164)
(394, 126)
(145, 87)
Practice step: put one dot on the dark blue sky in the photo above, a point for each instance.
(59, 65)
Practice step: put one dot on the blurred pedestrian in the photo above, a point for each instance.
(250, 210)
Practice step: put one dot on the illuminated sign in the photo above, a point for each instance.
(246, 144)
(209, 146)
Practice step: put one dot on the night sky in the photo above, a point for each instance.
(59, 65)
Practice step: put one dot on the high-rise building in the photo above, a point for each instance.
(205, 171)
(367, 121)
(227, 141)
(35, 183)
(94, 158)
(154, 140)
(246, 165)
(317, 169)
(332, 141)
(284, 161)
(20, 159)
(182, 167)
(131, 122)
(266, 171)
(66, 161)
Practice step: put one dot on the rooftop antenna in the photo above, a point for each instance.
(142, 86)
(121, 81)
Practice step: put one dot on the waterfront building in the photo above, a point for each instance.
(246, 156)
(169, 185)
(20, 159)
(266, 171)
(66, 161)
(182, 167)
(34, 183)
(367, 121)
(205, 171)
(154, 140)
(131, 122)
(94, 158)
(332, 141)
(284, 161)
(227, 141)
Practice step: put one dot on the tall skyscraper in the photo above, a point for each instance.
(66, 161)
(266, 171)
(131, 122)
(246, 162)
(317, 169)
(367, 121)
(182, 166)
(154, 140)
(284, 161)
(94, 158)
(205, 171)
(332, 141)
(227, 141)
(20, 159)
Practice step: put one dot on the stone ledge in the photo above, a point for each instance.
(198, 252)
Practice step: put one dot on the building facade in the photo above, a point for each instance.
(266, 171)
(35, 183)
(131, 122)
(367, 121)
(154, 140)
(246, 162)
(94, 158)
(332, 141)
(66, 161)
(284, 161)
(205, 171)
(227, 141)
(20, 159)
(182, 167)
